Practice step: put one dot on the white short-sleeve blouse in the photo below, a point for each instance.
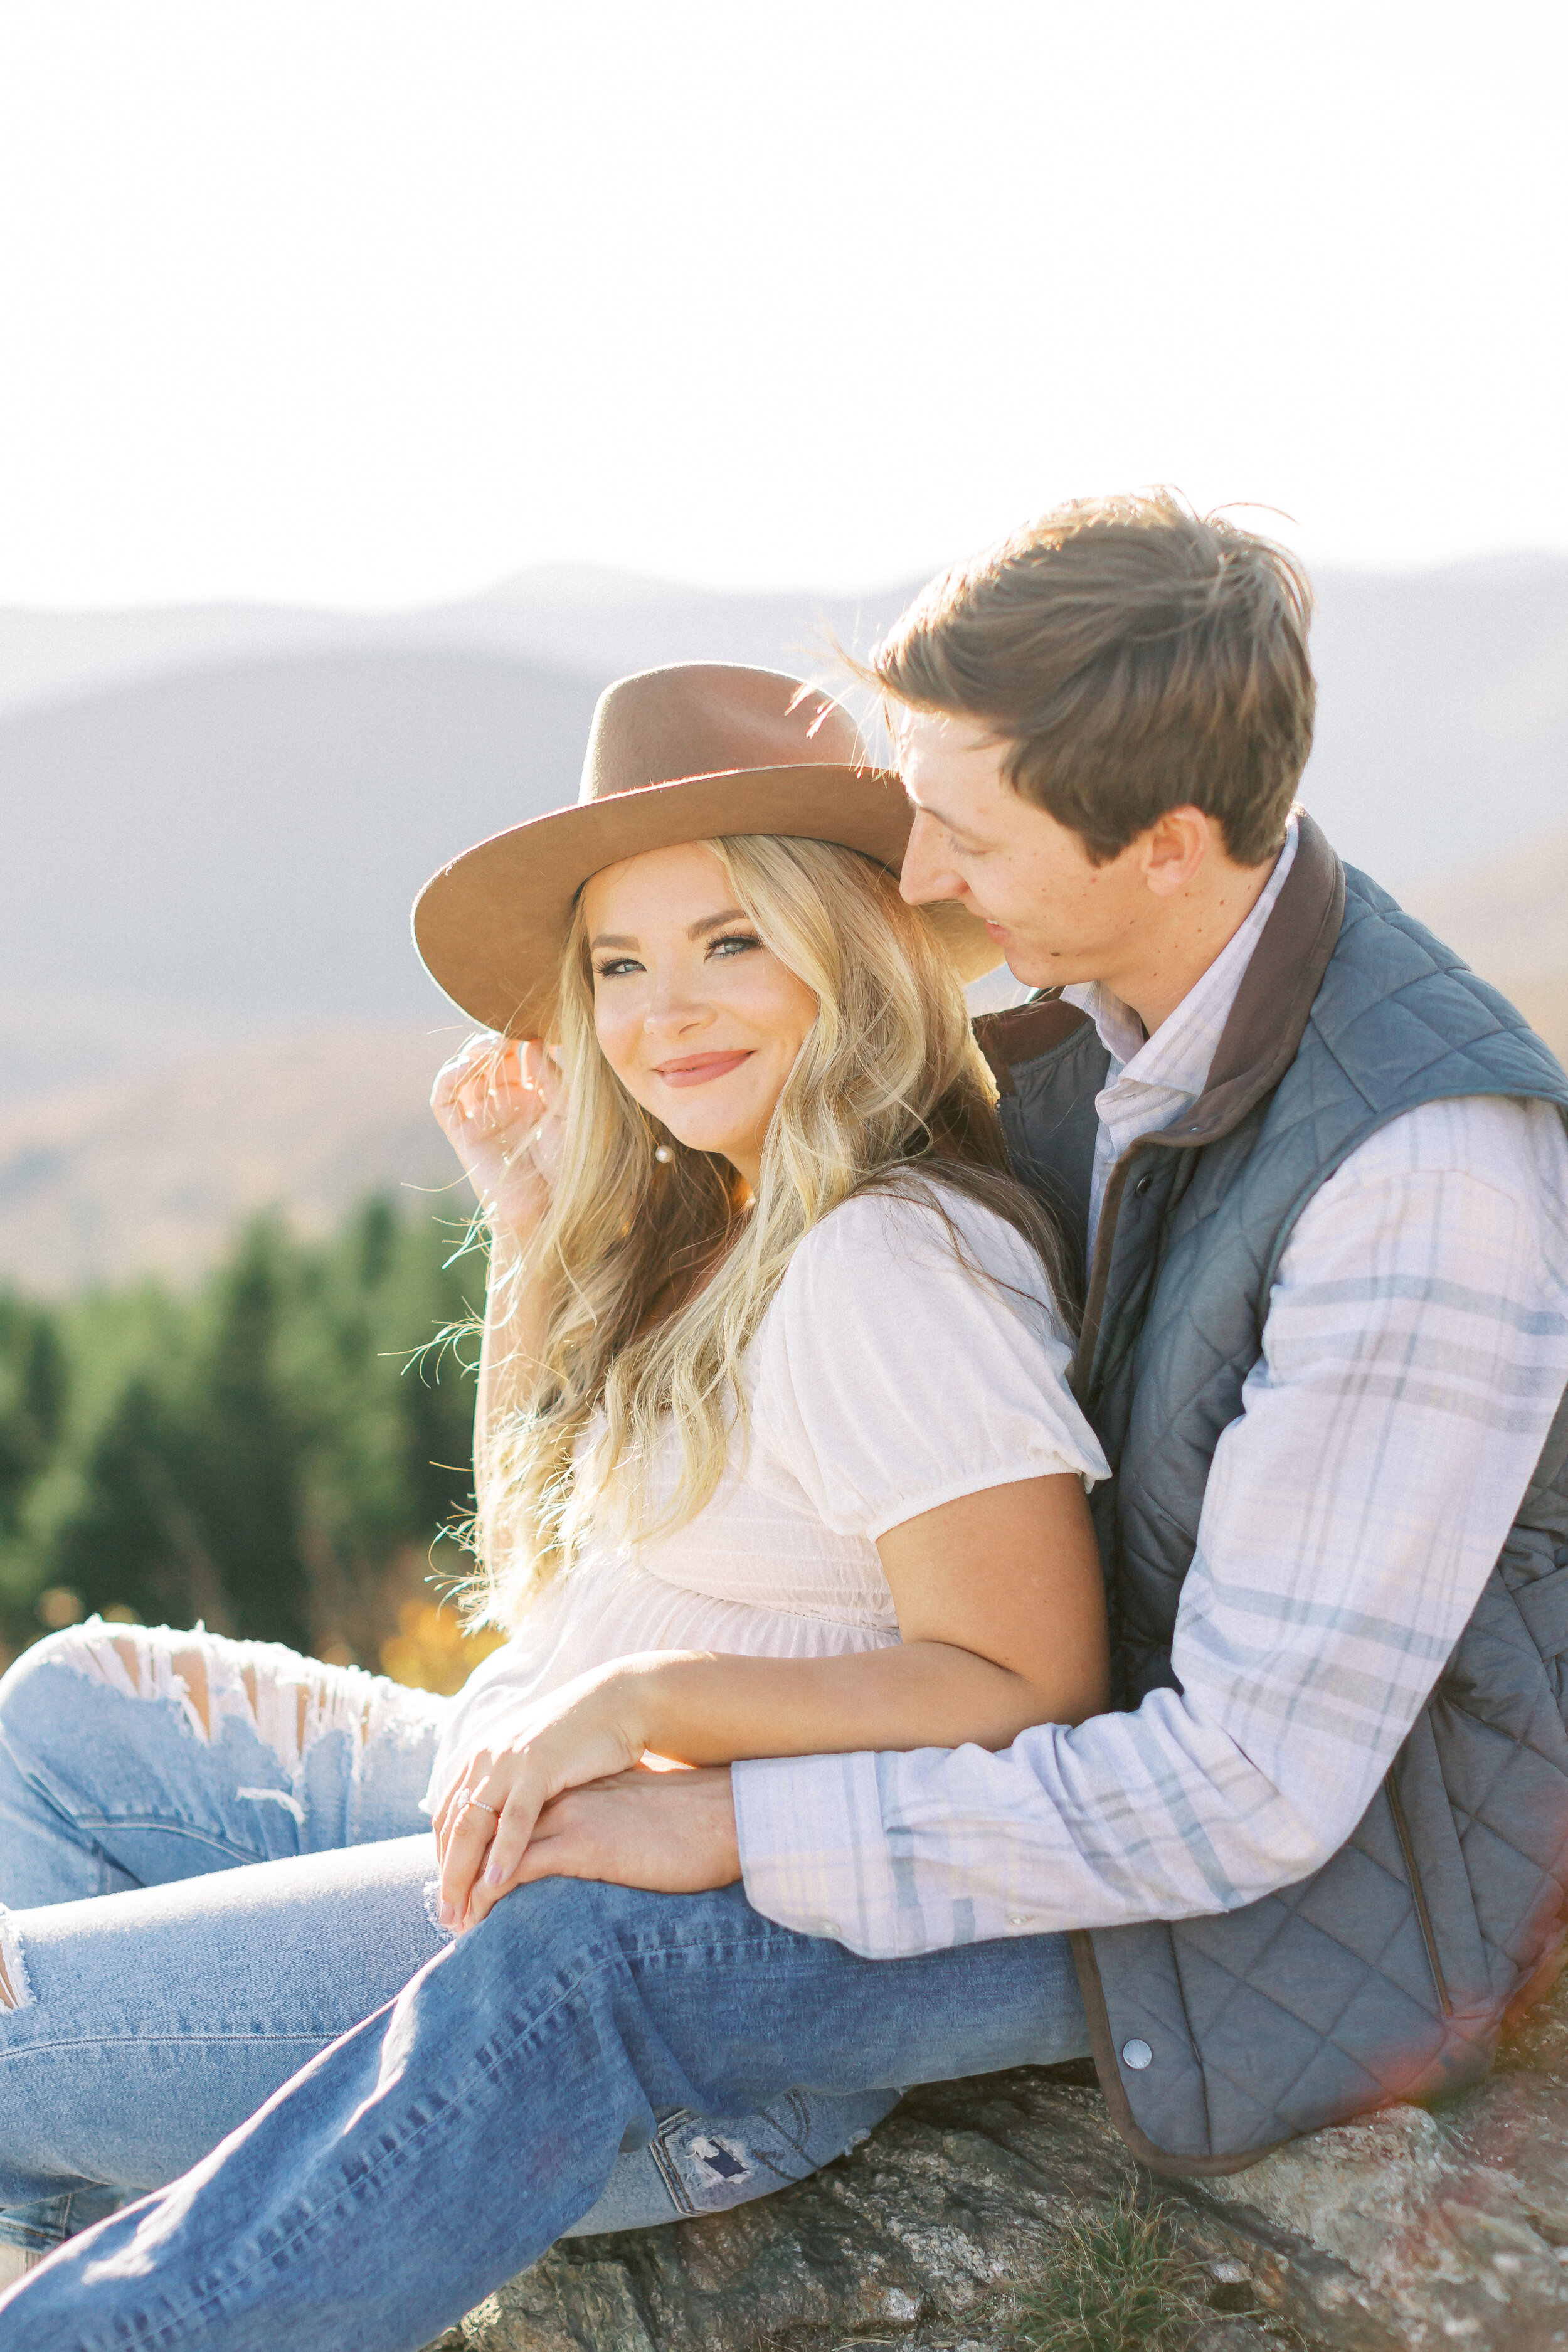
(892, 1372)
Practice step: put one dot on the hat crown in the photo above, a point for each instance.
(710, 719)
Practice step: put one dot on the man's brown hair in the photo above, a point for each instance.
(1134, 658)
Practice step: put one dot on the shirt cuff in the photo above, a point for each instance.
(814, 1853)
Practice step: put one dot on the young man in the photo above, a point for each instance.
(1321, 1177)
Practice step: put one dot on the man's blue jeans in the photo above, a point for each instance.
(428, 2116)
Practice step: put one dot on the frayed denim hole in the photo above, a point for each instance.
(433, 1909)
(275, 1797)
(16, 1992)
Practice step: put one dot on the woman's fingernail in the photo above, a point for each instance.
(448, 1915)
(492, 1876)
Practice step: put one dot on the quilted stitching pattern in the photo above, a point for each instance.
(1320, 2001)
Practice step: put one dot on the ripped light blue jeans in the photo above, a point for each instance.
(219, 1971)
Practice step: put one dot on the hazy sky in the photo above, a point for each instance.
(372, 304)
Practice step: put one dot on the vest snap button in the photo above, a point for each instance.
(1137, 2055)
(1142, 1184)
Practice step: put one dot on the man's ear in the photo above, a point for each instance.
(1174, 847)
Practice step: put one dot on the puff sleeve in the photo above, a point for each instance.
(896, 1371)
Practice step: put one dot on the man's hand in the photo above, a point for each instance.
(586, 1731)
(594, 1730)
(673, 1833)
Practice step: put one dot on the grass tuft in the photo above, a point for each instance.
(1120, 2284)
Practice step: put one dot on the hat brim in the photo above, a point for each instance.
(491, 926)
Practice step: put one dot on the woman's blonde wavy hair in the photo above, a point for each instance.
(656, 1275)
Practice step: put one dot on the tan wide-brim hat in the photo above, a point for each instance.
(686, 753)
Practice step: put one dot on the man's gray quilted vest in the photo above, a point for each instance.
(1386, 1975)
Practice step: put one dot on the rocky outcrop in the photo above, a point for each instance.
(1408, 2232)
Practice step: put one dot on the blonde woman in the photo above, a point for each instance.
(775, 1449)
(776, 1455)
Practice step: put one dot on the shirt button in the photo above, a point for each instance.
(1018, 1919)
(1137, 2055)
(828, 1926)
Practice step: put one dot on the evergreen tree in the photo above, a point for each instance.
(134, 1542)
(247, 1446)
(276, 1455)
(33, 1385)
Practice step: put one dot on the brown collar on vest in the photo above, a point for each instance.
(1257, 1046)
(1024, 1033)
(1269, 1019)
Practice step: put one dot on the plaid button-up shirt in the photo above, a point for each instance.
(1415, 1353)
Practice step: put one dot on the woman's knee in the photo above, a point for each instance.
(32, 1685)
(138, 1661)
(287, 1699)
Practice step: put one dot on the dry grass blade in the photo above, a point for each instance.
(1120, 2284)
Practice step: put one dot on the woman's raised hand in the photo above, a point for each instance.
(501, 1105)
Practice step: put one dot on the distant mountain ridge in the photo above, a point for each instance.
(592, 622)
(1458, 676)
(216, 819)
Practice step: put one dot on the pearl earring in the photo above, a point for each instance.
(663, 1154)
